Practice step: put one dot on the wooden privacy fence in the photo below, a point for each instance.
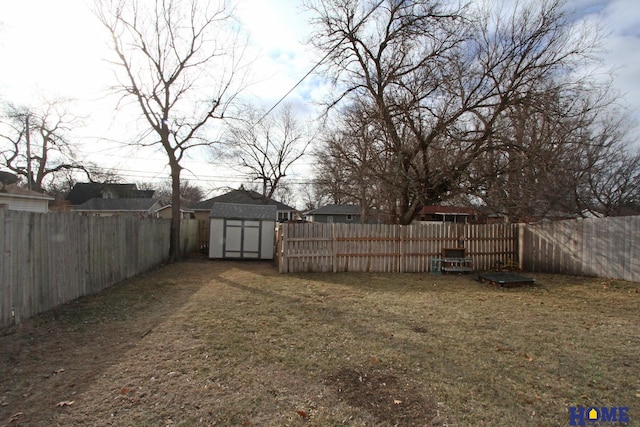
(189, 235)
(203, 234)
(48, 259)
(314, 247)
(603, 247)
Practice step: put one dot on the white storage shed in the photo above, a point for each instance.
(242, 231)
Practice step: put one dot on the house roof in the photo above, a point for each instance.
(21, 192)
(85, 191)
(335, 210)
(161, 208)
(243, 211)
(131, 205)
(447, 210)
(242, 197)
(8, 178)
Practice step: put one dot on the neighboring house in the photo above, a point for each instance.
(454, 214)
(480, 215)
(243, 197)
(335, 213)
(111, 207)
(82, 192)
(165, 212)
(22, 199)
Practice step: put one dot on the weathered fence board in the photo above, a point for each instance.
(603, 247)
(608, 247)
(203, 234)
(49, 259)
(314, 247)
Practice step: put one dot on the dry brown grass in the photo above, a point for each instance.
(223, 343)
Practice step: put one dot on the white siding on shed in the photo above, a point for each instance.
(242, 231)
(216, 239)
(268, 239)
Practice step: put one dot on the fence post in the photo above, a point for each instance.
(401, 250)
(284, 267)
(334, 248)
(283, 248)
(520, 246)
(278, 249)
(5, 299)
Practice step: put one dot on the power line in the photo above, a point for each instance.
(239, 179)
(317, 64)
(147, 174)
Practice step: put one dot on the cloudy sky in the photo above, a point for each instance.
(56, 48)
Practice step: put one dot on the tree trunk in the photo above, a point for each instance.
(175, 252)
(265, 197)
(407, 215)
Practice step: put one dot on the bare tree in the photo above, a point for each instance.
(285, 194)
(332, 182)
(566, 154)
(611, 186)
(189, 193)
(180, 62)
(35, 144)
(64, 181)
(616, 189)
(266, 147)
(313, 196)
(436, 79)
(352, 165)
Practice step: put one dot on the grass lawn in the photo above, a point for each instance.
(237, 344)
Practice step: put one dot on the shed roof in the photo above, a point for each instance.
(242, 211)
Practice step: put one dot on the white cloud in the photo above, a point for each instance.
(278, 29)
(620, 20)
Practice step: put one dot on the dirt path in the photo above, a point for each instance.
(50, 361)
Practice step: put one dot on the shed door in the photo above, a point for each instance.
(242, 238)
